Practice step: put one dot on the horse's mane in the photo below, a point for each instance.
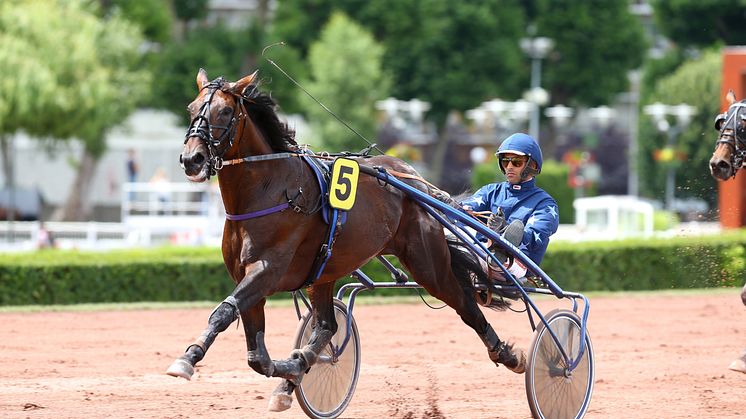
(262, 110)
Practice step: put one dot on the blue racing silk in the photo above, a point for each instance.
(526, 202)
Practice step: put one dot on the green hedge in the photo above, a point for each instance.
(198, 274)
(692, 262)
(67, 277)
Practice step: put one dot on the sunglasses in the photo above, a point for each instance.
(515, 161)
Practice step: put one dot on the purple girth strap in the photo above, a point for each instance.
(260, 213)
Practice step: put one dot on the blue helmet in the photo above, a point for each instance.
(522, 145)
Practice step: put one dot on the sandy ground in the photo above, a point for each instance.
(656, 357)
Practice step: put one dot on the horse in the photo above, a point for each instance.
(236, 134)
(730, 147)
(727, 159)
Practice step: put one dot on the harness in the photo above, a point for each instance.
(730, 120)
(333, 217)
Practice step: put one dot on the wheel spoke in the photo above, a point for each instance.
(327, 388)
(552, 394)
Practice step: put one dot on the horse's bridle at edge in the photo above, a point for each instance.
(201, 127)
(729, 120)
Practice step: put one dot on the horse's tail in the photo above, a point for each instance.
(468, 270)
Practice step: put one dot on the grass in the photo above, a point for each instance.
(362, 299)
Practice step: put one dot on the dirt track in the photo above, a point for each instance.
(657, 357)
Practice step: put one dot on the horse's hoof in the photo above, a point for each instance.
(514, 359)
(738, 365)
(181, 368)
(521, 356)
(280, 402)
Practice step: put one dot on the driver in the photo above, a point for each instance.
(522, 212)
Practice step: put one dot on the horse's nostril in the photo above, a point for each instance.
(722, 164)
(181, 159)
(198, 158)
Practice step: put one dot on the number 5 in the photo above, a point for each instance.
(344, 183)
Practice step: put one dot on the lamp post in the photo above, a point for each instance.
(583, 170)
(659, 113)
(405, 115)
(496, 116)
(633, 182)
(537, 49)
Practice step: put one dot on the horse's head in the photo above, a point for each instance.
(216, 114)
(730, 148)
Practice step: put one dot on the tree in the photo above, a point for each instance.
(152, 16)
(218, 50)
(346, 75)
(298, 22)
(701, 23)
(594, 49)
(697, 82)
(68, 74)
(453, 54)
(188, 10)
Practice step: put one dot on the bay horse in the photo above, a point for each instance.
(236, 134)
(727, 159)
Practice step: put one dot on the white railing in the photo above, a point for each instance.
(170, 199)
(152, 213)
(29, 235)
(187, 213)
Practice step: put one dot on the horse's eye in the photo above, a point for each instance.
(226, 111)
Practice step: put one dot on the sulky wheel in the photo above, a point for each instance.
(553, 391)
(327, 388)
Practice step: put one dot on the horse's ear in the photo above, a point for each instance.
(202, 79)
(730, 97)
(241, 85)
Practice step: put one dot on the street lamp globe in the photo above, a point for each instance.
(417, 108)
(538, 47)
(656, 110)
(602, 114)
(521, 110)
(684, 113)
(390, 106)
(478, 115)
(537, 96)
(496, 106)
(560, 115)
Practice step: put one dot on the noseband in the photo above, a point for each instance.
(201, 127)
(730, 120)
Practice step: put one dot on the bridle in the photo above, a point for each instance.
(731, 120)
(201, 127)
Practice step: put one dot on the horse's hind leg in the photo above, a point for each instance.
(324, 328)
(428, 260)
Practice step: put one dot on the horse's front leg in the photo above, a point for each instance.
(245, 297)
(220, 318)
(293, 368)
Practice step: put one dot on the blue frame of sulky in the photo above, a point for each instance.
(458, 228)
